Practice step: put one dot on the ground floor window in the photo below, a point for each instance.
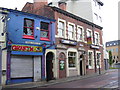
(98, 59)
(72, 59)
(90, 60)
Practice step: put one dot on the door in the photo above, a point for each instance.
(49, 66)
(81, 66)
(37, 68)
(21, 66)
(62, 65)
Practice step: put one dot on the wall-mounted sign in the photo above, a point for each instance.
(69, 42)
(26, 48)
(36, 43)
(94, 47)
(81, 45)
(62, 65)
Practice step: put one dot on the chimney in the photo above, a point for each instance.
(39, 4)
(62, 5)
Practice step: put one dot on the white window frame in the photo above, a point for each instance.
(91, 34)
(74, 31)
(82, 33)
(98, 52)
(98, 38)
(91, 67)
(61, 20)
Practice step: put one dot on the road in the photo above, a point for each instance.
(108, 80)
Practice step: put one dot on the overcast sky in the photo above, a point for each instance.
(110, 15)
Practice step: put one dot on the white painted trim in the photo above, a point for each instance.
(91, 67)
(83, 35)
(55, 64)
(67, 69)
(91, 34)
(64, 27)
(96, 59)
(74, 31)
(95, 32)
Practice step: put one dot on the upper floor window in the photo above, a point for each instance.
(89, 37)
(44, 33)
(89, 33)
(28, 31)
(80, 34)
(96, 16)
(96, 39)
(61, 29)
(100, 19)
(70, 31)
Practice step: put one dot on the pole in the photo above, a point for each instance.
(0, 67)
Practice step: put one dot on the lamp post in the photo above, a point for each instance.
(99, 62)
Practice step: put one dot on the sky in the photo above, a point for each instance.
(110, 15)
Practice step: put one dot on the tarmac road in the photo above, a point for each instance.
(108, 80)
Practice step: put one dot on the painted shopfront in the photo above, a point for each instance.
(29, 36)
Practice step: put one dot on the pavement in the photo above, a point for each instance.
(52, 82)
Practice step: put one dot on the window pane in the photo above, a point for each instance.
(88, 33)
(28, 31)
(28, 27)
(44, 34)
(44, 25)
(61, 28)
(28, 23)
(72, 59)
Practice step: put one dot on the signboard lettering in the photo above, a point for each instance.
(26, 48)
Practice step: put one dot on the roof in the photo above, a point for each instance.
(25, 13)
(75, 17)
(113, 43)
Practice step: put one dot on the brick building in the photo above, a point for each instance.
(79, 45)
(114, 47)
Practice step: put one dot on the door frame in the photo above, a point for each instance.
(52, 61)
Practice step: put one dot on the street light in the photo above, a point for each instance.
(99, 62)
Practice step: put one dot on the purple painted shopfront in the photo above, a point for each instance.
(28, 37)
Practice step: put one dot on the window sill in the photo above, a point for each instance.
(28, 37)
(45, 39)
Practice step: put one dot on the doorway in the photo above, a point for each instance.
(49, 66)
(81, 65)
(62, 65)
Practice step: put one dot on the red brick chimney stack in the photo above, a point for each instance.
(62, 5)
(39, 3)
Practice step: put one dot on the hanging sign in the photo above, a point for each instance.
(26, 48)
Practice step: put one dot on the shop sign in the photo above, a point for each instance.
(26, 48)
(94, 47)
(81, 49)
(68, 42)
(62, 65)
(81, 45)
(36, 43)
